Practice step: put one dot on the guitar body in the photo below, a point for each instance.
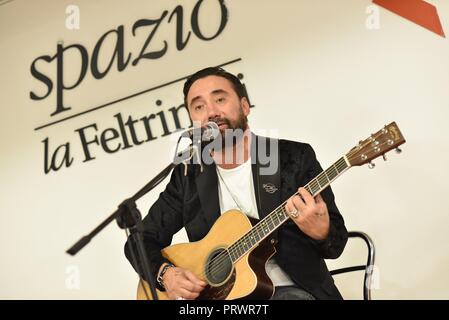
(245, 279)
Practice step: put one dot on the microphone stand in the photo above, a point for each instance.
(129, 217)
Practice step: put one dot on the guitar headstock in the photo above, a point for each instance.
(386, 139)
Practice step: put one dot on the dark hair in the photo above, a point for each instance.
(239, 88)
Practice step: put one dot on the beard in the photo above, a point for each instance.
(234, 131)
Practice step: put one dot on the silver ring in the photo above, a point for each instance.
(294, 213)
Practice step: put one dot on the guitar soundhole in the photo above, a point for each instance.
(218, 267)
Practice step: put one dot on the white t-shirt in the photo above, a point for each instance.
(239, 180)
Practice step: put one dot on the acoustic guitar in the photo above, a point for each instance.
(231, 258)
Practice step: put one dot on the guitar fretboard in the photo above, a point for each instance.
(278, 216)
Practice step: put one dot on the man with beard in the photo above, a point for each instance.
(234, 180)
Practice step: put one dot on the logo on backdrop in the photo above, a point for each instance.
(120, 58)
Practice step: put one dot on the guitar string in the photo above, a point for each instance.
(217, 261)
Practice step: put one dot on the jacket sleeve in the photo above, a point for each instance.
(163, 220)
(331, 247)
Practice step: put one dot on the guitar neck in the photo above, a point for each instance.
(278, 216)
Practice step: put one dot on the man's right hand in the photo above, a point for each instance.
(180, 283)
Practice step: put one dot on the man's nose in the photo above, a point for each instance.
(212, 111)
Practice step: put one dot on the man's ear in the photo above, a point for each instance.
(245, 106)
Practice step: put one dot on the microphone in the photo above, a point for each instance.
(206, 133)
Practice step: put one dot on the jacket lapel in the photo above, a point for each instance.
(207, 187)
(266, 187)
(255, 171)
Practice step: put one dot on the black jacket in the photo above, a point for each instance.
(191, 201)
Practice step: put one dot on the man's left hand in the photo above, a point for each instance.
(310, 214)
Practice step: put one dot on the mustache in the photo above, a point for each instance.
(219, 120)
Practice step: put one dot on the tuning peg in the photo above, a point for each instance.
(398, 150)
(384, 156)
(371, 165)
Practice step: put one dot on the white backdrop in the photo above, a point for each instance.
(315, 73)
